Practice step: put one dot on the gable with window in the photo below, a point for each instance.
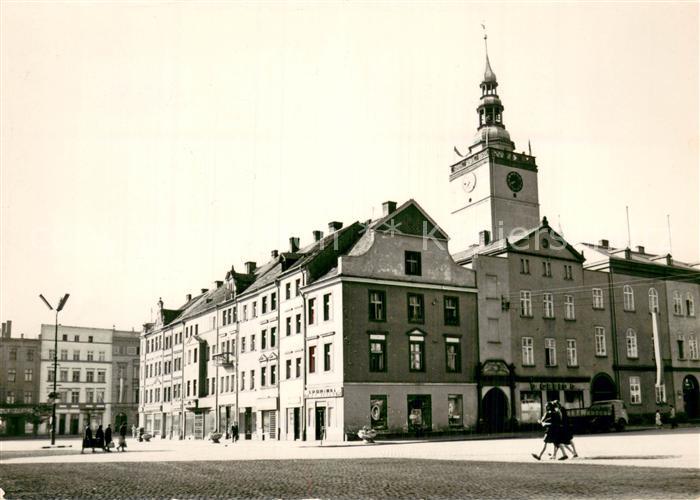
(412, 263)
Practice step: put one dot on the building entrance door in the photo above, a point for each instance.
(495, 410)
(248, 422)
(62, 423)
(320, 422)
(691, 396)
(74, 425)
(603, 388)
(297, 430)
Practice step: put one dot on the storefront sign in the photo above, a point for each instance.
(324, 392)
(552, 386)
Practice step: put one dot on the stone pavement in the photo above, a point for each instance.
(677, 448)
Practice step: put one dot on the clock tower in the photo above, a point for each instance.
(493, 188)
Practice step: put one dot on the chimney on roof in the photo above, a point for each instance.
(628, 253)
(333, 226)
(293, 244)
(249, 267)
(188, 297)
(484, 237)
(218, 283)
(274, 254)
(604, 243)
(388, 207)
(640, 249)
(4, 330)
(204, 290)
(669, 259)
(318, 235)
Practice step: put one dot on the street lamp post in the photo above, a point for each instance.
(61, 303)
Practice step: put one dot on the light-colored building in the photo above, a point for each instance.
(85, 375)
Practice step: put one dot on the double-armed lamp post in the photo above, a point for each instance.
(54, 394)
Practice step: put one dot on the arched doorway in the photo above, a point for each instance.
(603, 388)
(691, 396)
(495, 410)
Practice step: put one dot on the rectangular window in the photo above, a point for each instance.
(451, 311)
(693, 347)
(252, 343)
(90, 338)
(245, 312)
(297, 367)
(677, 303)
(528, 351)
(327, 307)
(377, 353)
(412, 261)
(101, 355)
(416, 360)
(550, 352)
(50, 377)
(524, 266)
(63, 376)
(454, 410)
(13, 354)
(254, 309)
(28, 374)
(76, 375)
(273, 375)
(453, 355)
(28, 397)
(571, 355)
(568, 272)
(548, 305)
(263, 306)
(75, 396)
(635, 391)
(101, 376)
(263, 340)
(297, 287)
(91, 356)
(415, 308)
(263, 376)
(660, 393)
(288, 291)
(600, 349)
(273, 301)
(64, 355)
(312, 359)
(526, 303)
(76, 355)
(298, 323)
(597, 298)
(628, 298)
(242, 382)
(10, 397)
(312, 311)
(378, 411)
(377, 302)
(569, 309)
(11, 375)
(288, 326)
(631, 338)
(273, 337)
(327, 357)
(252, 379)
(288, 369)
(547, 269)
(680, 342)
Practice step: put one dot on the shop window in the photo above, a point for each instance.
(378, 411)
(530, 407)
(455, 417)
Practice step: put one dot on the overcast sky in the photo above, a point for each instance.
(147, 147)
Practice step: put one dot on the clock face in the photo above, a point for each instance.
(469, 182)
(514, 181)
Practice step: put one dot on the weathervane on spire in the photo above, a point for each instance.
(486, 43)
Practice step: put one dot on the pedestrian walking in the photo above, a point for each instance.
(672, 417)
(133, 431)
(657, 419)
(122, 437)
(99, 438)
(108, 438)
(234, 433)
(87, 439)
(567, 434)
(551, 421)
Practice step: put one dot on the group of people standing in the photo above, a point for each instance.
(557, 432)
(103, 438)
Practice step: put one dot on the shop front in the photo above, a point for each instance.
(533, 395)
(324, 417)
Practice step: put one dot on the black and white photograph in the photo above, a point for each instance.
(349, 249)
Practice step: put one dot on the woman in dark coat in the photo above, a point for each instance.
(122, 437)
(87, 439)
(551, 421)
(108, 437)
(99, 438)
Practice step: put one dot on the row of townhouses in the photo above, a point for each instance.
(97, 372)
(378, 324)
